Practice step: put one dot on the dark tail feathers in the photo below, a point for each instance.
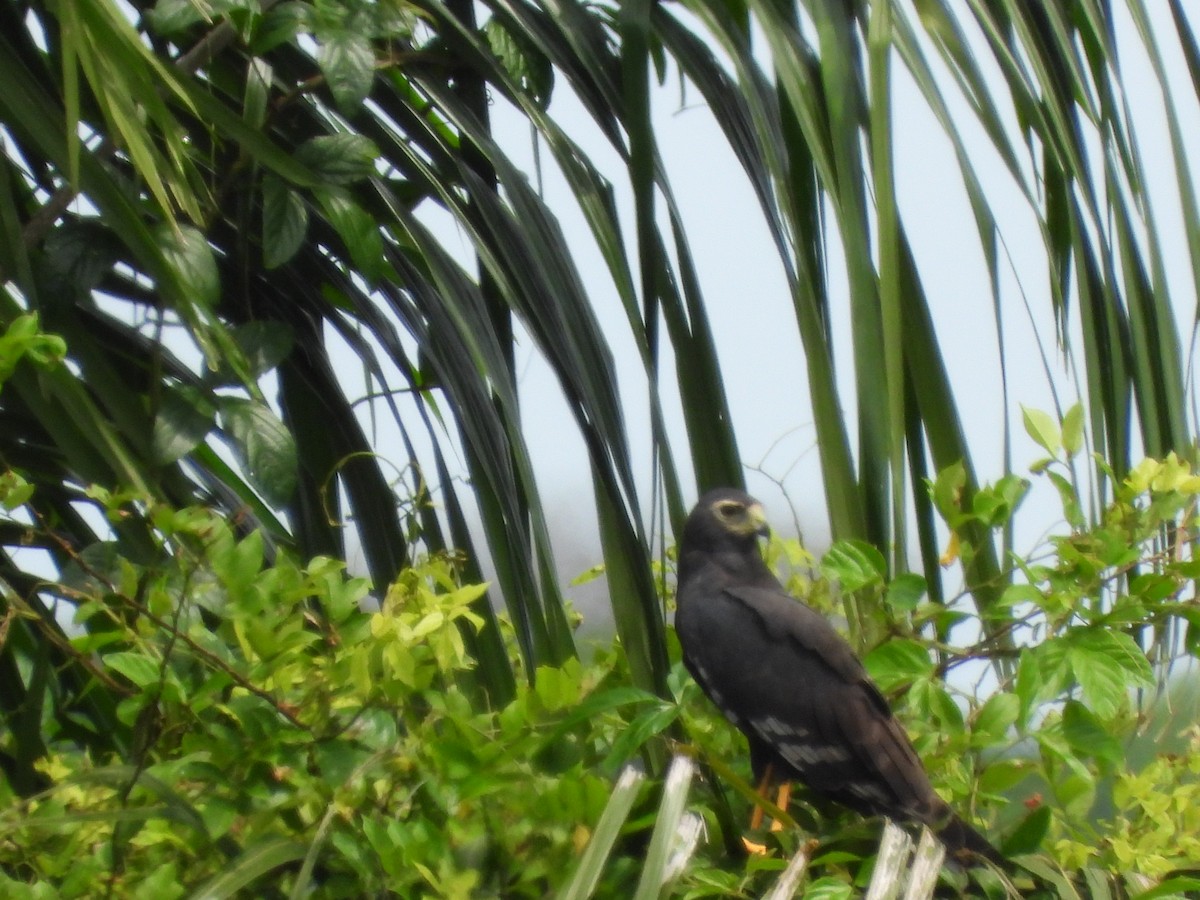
(968, 846)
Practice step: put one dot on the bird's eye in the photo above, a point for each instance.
(730, 509)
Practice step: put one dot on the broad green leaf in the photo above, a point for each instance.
(633, 738)
(264, 344)
(246, 561)
(358, 230)
(348, 63)
(264, 444)
(169, 17)
(947, 491)
(1069, 496)
(898, 662)
(1017, 594)
(142, 670)
(79, 254)
(929, 696)
(23, 338)
(187, 253)
(996, 717)
(995, 504)
(1028, 836)
(1072, 429)
(184, 419)
(1030, 685)
(854, 565)
(15, 491)
(1088, 736)
(906, 591)
(1043, 429)
(1109, 666)
(1001, 776)
(280, 24)
(285, 221)
(339, 158)
(1172, 888)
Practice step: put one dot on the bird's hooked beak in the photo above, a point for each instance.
(758, 518)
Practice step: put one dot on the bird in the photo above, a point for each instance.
(781, 673)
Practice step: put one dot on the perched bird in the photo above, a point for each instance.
(781, 673)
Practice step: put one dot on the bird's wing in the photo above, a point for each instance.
(783, 674)
(785, 619)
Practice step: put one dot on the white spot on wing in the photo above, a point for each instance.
(867, 792)
(771, 727)
(802, 755)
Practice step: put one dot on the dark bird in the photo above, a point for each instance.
(781, 673)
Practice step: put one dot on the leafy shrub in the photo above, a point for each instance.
(274, 728)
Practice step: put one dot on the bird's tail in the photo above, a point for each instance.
(967, 845)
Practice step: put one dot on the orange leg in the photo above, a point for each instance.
(756, 816)
(781, 800)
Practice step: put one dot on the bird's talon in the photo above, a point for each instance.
(754, 849)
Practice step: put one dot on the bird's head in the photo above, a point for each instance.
(725, 516)
(722, 531)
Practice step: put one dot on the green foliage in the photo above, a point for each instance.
(279, 735)
(172, 176)
(202, 195)
(22, 339)
(283, 733)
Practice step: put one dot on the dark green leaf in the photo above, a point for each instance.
(79, 254)
(184, 419)
(358, 230)
(264, 445)
(1088, 737)
(280, 24)
(906, 591)
(189, 256)
(524, 64)
(169, 17)
(339, 158)
(1028, 836)
(637, 733)
(285, 221)
(348, 63)
(265, 344)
